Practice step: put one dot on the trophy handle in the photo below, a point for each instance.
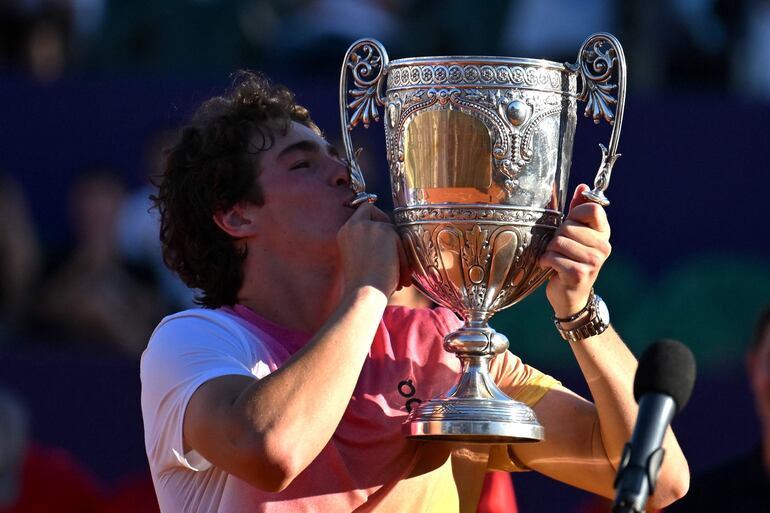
(597, 57)
(368, 63)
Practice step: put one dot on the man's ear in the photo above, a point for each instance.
(238, 221)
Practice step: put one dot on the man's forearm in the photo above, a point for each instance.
(267, 431)
(316, 383)
(609, 368)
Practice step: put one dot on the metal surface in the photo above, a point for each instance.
(475, 410)
(479, 150)
(596, 319)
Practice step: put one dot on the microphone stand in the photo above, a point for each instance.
(641, 478)
(636, 477)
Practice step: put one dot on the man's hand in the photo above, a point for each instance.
(372, 253)
(577, 252)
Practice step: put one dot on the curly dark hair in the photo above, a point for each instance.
(214, 165)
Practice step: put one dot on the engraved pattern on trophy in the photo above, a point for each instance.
(399, 109)
(512, 117)
(535, 76)
(525, 114)
(525, 274)
(475, 256)
(498, 250)
(484, 107)
(479, 150)
(488, 214)
(423, 257)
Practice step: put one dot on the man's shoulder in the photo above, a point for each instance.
(192, 330)
(210, 314)
(196, 318)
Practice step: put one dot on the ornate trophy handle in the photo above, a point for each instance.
(368, 63)
(597, 57)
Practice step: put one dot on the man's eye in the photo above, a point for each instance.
(301, 164)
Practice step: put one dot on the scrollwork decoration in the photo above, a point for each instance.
(596, 65)
(367, 69)
(367, 61)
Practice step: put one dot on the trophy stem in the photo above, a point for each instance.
(475, 410)
(475, 381)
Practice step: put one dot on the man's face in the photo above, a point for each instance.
(306, 191)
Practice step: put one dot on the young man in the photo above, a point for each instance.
(288, 391)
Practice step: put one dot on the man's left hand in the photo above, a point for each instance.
(577, 252)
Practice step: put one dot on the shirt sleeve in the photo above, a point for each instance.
(184, 352)
(521, 383)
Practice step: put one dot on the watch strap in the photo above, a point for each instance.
(593, 324)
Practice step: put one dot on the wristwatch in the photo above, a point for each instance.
(596, 319)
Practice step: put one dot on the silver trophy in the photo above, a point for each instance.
(479, 150)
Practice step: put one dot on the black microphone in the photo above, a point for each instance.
(662, 387)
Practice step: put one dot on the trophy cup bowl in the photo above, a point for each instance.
(479, 151)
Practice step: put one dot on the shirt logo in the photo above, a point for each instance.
(406, 389)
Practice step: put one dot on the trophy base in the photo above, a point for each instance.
(474, 420)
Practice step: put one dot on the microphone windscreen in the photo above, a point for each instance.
(666, 367)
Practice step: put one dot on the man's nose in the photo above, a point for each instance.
(339, 172)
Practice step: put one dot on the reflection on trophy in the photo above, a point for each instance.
(479, 150)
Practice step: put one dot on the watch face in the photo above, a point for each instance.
(603, 313)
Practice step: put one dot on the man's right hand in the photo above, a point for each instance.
(371, 252)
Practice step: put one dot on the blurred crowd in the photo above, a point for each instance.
(106, 289)
(712, 44)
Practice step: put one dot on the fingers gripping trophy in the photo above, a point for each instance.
(479, 150)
